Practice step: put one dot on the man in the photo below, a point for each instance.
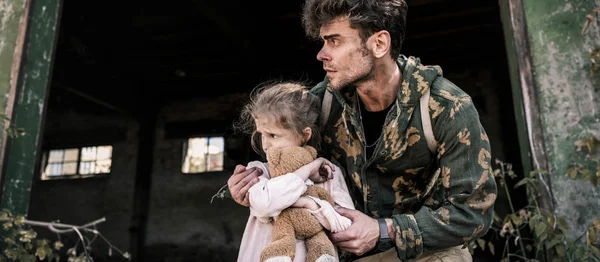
(375, 131)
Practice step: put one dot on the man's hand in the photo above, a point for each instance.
(240, 182)
(361, 236)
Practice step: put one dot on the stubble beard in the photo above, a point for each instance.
(355, 78)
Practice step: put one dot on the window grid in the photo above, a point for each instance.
(203, 154)
(77, 162)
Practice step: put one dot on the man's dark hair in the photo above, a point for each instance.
(367, 16)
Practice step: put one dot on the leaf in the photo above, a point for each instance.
(72, 252)
(516, 219)
(522, 182)
(491, 247)
(497, 172)
(58, 245)
(562, 223)
(11, 253)
(41, 242)
(532, 223)
(540, 229)
(497, 218)
(543, 237)
(511, 174)
(41, 253)
(19, 220)
(551, 220)
(595, 250)
(481, 243)
(592, 236)
(27, 258)
(552, 243)
(8, 225)
(594, 180)
(572, 173)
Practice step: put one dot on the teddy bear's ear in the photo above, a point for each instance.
(311, 150)
(274, 156)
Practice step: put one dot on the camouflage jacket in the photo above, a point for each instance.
(429, 212)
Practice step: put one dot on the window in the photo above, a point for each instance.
(76, 162)
(203, 154)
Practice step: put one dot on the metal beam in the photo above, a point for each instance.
(91, 98)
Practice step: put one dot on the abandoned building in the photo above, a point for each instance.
(126, 110)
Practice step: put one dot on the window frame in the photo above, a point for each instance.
(185, 144)
(46, 155)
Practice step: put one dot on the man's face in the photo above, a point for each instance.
(345, 57)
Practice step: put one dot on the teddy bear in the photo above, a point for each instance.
(294, 222)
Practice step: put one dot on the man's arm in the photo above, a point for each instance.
(467, 192)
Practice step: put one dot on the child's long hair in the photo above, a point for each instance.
(289, 104)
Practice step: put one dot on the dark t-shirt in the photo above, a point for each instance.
(373, 124)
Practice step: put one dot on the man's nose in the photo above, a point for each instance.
(323, 55)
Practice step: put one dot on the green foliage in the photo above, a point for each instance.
(550, 233)
(20, 242)
(590, 170)
(594, 55)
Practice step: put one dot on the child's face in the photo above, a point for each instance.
(275, 136)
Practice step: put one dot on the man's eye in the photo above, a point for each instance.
(273, 136)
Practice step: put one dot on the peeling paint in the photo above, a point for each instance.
(29, 102)
(567, 96)
(565, 8)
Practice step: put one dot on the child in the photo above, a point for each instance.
(281, 115)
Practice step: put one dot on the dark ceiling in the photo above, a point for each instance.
(138, 54)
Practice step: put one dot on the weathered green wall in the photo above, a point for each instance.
(30, 103)
(568, 97)
(11, 12)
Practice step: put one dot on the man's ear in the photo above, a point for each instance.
(306, 134)
(380, 43)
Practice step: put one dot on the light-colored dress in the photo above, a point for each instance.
(269, 197)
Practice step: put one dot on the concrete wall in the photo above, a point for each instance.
(79, 201)
(568, 97)
(183, 224)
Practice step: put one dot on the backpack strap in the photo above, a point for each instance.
(426, 122)
(326, 108)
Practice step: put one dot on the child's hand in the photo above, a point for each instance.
(306, 202)
(323, 170)
(319, 170)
